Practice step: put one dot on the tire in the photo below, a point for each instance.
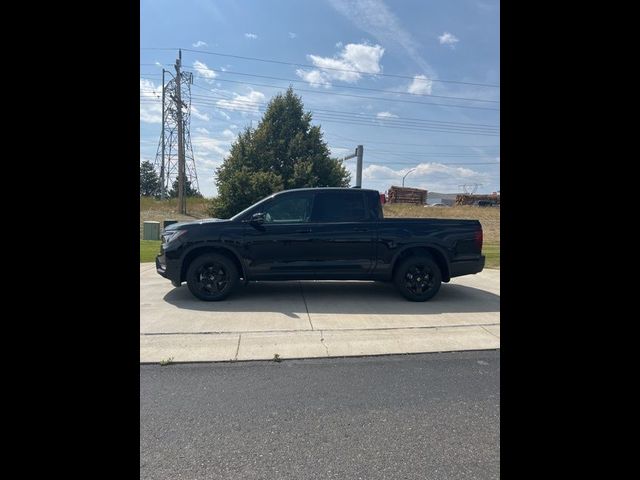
(212, 277)
(411, 274)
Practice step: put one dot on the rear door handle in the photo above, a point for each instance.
(361, 229)
(304, 230)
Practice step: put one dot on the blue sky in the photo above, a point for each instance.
(407, 53)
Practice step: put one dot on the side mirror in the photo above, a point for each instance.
(257, 218)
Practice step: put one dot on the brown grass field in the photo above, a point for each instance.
(152, 210)
(489, 217)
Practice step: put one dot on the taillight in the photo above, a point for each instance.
(478, 239)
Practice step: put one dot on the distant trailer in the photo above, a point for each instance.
(416, 196)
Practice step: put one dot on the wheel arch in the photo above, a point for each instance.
(436, 253)
(203, 249)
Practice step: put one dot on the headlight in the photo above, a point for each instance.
(171, 235)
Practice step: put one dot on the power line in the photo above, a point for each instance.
(411, 144)
(394, 162)
(229, 72)
(362, 96)
(243, 105)
(364, 116)
(304, 65)
(332, 119)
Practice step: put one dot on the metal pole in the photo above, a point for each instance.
(359, 152)
(405, 175)
(162, 192)
(182, 207)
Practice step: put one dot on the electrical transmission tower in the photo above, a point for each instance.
(174, 157)
(470, 188)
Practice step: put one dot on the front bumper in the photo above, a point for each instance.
(169, 269)
(467, 267)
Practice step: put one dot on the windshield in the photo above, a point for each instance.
(238, 216)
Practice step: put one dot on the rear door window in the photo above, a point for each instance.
(339, 206)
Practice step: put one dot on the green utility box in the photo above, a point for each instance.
(151, 231)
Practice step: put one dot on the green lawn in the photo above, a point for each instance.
(492, 252)
(148, 250)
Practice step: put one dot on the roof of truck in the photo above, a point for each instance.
(327, 188)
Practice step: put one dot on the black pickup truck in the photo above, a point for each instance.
(319, 234)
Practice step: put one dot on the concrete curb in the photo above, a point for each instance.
(232, 347)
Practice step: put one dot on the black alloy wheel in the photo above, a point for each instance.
(212, 277)
(418, 278)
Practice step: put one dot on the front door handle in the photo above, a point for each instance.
(361, 229)
(304, 230)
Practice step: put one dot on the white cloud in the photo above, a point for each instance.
(205, 145)
(150, 102)
(233, 125)
(292, 35)
(199, 43)
(243, 103)
(345, 66)
(339, 44)
(202, 130)
(252, 36)
(375, 18)
(228, 133)
(203, 71)
(386, 115)
(314, 77)
(197, 114)
(448, 39)
(421, 84)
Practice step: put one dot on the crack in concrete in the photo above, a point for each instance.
(490, 333)
(322, 342)
(462, 325)
(305, 305)
(237, 348)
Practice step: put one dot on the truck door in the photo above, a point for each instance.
(281, 245)
(342, 234)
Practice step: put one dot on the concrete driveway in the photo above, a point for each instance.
(315, 319)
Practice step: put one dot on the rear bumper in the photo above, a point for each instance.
(168, 269)
(467, 267)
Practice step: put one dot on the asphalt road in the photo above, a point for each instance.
(427, 416)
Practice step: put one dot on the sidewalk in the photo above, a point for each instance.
(315, 319)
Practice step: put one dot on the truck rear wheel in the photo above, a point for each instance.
(418, 278)
(212, 277)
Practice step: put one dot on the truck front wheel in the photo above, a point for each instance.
(418, 278)
(212, 277)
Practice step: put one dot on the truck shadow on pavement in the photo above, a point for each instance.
(338, 298)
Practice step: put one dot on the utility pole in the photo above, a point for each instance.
(162, 164)
(182, 207)
(358, 155)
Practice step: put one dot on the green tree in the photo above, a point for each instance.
(284, 151)
(149, 182)
(189, 191)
